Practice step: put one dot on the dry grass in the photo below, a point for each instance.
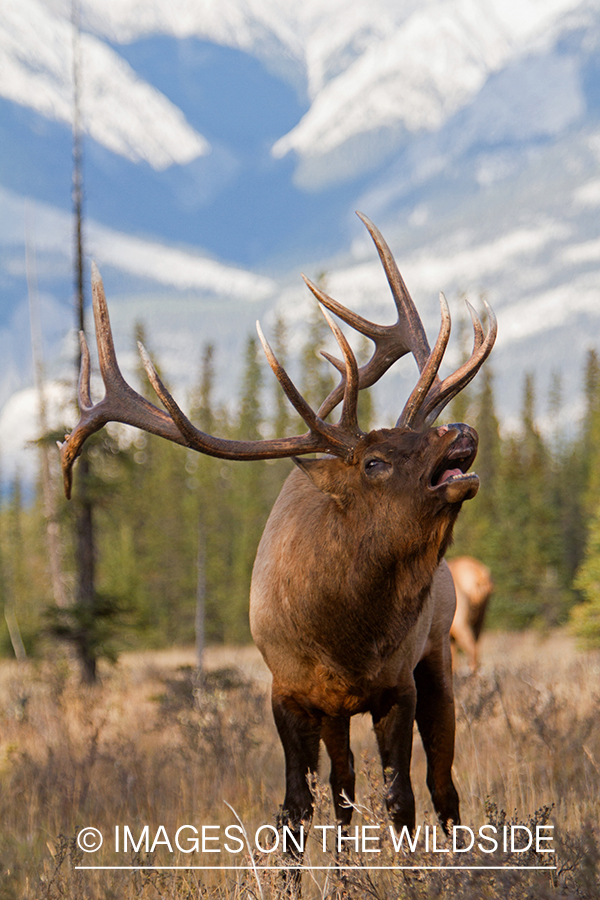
(151, 747)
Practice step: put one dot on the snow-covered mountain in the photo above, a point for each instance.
(228, 144)
(376, 74)
(121, 112)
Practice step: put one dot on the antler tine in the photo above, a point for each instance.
(85, 405)
(183, 424)
(107, 358)
(348, 418)
(443, 392)
(335, 362)
(390, 345)
(341, 437)
(289, 388)
(477, 326)
(417, 398)
(84, 393)
(408, 316)
(120, 403)
(406, 335)
(369, 329)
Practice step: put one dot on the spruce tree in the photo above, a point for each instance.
(476, 531)
(317, 379)
(366, 404)
(532, 574)
(282, 417)
(211, 483)
(585, 617)
(249, 495)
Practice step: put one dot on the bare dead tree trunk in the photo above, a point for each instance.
(48, 493)
(77, 177)
(85, 540)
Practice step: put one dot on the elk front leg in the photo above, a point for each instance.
(393, 720)
(300, 734)
(435, 718)
(335, 732)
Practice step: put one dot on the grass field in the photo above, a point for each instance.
(149, 746)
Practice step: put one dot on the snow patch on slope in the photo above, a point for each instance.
(468, 266)
(375, 73)
(119, 110)
(415, 79)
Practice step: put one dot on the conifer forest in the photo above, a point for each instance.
(175, 532)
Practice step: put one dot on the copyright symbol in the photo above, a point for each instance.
(89, 840)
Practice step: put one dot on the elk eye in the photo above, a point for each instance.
(377, 466)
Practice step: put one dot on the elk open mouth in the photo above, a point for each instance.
(451, 477)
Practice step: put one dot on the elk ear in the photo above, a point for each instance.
(329, 476)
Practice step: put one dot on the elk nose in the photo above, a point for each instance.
(457, 427)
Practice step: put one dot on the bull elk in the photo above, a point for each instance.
(351, 602)
(473, 585)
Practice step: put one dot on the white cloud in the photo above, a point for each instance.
(51, 230)
(588, 194)
(181, 269)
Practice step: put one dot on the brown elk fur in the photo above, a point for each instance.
(351, 608)
(473, 584)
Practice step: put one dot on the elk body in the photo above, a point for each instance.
(351, 602)
(473, 585)
(351, 609)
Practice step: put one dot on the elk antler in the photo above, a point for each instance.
(407, 335)
(391, 341)
(122, 404)
(440, 393)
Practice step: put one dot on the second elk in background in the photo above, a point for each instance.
(473, 584)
